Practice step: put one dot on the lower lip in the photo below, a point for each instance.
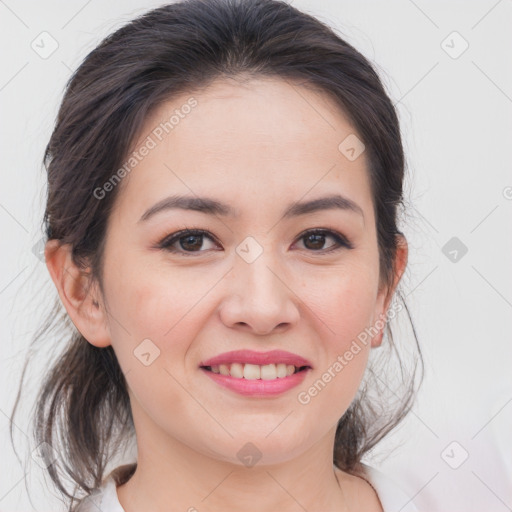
(258, 387)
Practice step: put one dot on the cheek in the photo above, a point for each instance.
(166, 308)
(151, 334)
(345, 302)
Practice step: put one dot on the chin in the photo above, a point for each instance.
(262, 449)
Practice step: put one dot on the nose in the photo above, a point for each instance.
(259, 298)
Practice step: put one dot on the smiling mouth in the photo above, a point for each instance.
(256, 372)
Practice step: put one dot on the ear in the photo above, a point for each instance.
(78, 293)
(385, 292)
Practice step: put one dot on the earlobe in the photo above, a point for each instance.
(386, 294)
(78, 293)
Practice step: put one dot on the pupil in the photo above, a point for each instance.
(316, 237)
(192, 237)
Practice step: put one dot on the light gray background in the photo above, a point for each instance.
(456, 116)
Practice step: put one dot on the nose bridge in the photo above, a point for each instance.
(257, 266)
(259, 296)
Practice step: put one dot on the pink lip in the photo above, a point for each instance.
(258, 387)
(259, 358)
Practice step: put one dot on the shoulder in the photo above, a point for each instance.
(373, 490)
(104, 498)
(360, 494)
(392, 497)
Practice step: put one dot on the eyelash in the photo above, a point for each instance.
(169, 240)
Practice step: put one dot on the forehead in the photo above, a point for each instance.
(244, 142)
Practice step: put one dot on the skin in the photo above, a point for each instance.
(259, 146)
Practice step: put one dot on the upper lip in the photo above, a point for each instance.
(259, 358)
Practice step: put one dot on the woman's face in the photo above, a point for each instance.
(256, 281)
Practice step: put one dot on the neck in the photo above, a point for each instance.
(194, 481)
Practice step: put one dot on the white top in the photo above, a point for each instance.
(392, 497)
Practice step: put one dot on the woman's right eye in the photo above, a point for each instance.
(190, 241)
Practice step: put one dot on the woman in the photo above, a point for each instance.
(223, 186)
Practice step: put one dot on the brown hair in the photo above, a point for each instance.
(83, 405)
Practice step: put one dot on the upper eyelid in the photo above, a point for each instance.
(183, 232)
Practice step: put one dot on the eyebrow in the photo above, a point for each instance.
(213, 207)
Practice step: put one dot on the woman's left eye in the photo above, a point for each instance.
(191, 240)
(317, 237)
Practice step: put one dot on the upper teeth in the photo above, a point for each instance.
(254, 371)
